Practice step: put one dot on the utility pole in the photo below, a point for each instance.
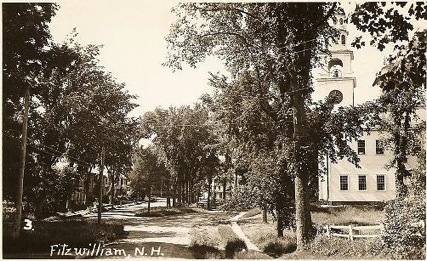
(101, 175)
(17, 228)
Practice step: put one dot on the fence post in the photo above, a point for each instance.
(350, 232)
(328, 231)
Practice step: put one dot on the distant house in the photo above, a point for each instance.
(121, 187)
(343, 182)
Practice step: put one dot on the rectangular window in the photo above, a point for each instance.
(379, 147)
(362, 182)
(361, 147)
(380, 182)
(343, 182)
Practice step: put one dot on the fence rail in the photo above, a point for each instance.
(361, 231)
(354, 231)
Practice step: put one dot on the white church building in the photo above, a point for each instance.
(344, 183)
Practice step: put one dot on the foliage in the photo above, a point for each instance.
(404, 236)
(403, 85)
(8, 211)
(403, 240)
(72, 233)
(147, 172)
(240, 200)
(387, 22)
(269, 50)
(280, 246)
(185, 144)
(76, 108)
(25, 38)
(234, 246)
(50, 191)
(232, 242)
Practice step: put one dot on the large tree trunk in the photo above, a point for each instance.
(149, 199)
(20, 192)
(224, 188)
(302, 211)
(280, 224)
(264, 214)
(174, 195)
(112, 189)
(209, 193)
(101, 184)
(168, 198)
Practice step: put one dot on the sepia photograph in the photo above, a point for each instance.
(214, 130)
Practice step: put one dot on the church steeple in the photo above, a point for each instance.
(336, 79)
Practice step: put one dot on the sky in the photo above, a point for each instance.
(133, 33)
(134, 47)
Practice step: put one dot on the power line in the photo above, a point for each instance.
(58, 153)
(62, 153)
(212, 124)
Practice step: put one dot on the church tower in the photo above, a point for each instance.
(336, 78)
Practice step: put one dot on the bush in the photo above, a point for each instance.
(280, 246)
(232, 242)
(404, 241)
(233, 246)
(9, 211)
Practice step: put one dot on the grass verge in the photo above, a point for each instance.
(345, 215)
(73, 233)
(163, 212)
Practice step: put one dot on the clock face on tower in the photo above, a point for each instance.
(335, 96)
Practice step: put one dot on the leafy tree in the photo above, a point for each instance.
(387, 22)
(396, 112)
(86, 109)
(185, 144)
(146, 173)
(403, 97)
(270, 49)
(403, 80)
(25, 36)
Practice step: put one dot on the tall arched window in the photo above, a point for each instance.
(343, 39)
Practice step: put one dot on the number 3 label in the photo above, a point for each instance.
(28, 224)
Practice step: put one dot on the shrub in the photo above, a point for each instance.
(280, 246)
(233, 246)
(232, 242)
(404, 241)
(9, 211)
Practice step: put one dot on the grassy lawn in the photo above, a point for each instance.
(345, 215)
(75, 233)
(264, 235)
(163, 211)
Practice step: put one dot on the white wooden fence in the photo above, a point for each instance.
(354, 231)
(365, 231)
